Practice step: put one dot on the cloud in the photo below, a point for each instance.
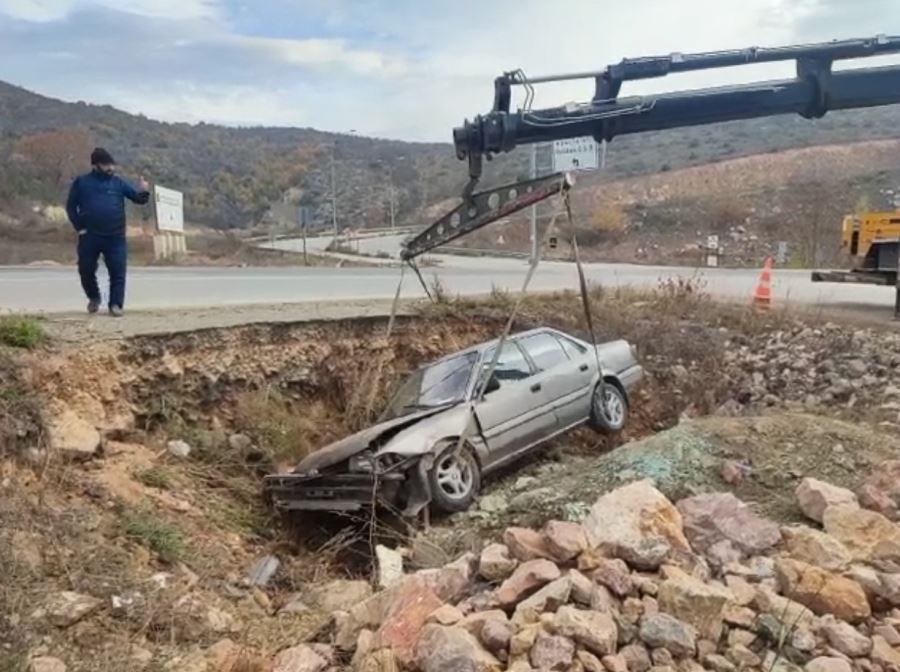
(55, 10)
(392, 68)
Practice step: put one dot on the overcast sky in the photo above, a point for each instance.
(407, 69)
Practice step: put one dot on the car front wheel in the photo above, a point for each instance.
(455, 479)
(609, 409)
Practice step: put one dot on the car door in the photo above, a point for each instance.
(517, 413)
(568, 372)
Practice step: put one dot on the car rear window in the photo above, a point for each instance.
(511, 365)
(544, 350)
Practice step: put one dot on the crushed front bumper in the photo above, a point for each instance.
(332, 492)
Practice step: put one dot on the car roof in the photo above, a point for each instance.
(481, 347)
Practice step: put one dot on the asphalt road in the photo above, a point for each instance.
(54, 290)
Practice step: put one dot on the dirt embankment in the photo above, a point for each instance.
(130, 516)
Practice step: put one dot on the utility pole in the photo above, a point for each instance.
(534, 232)
(334, 196)
(391, 193)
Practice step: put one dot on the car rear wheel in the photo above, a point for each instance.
(455, 479)
(609, 409)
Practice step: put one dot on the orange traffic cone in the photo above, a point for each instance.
(762, 297)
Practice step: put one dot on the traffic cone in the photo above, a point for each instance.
(762, 297)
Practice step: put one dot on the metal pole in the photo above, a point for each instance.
(534, 236)
(392, 200)
(303, 233)
(333, 197)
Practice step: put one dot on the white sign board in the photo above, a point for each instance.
(169, 209)
(576, 154)
(782, 251)
(712, 242)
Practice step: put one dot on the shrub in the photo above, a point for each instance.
(21, 332)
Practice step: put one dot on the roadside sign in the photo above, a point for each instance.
(169, 209)
(781, 256)
(712, 249)
(576, 154)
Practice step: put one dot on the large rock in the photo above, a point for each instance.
(552, 652)
(194, 618)
(496, 635)
(45, 664)
(300, 658)
(721, 526)
(67, 608)
(340, 594)
(815, 497)
(821, 591)
(452, 581)
(867, 535)
(881, 491)
(696, 603)
(828, 664)
(594, 630)
(452, 649)
(787, 613)
(614, 574)
(845, 638)
(548, 599)
(815, 548)
(413, 602)
(527, 577)
(495, 563)
(525, 544)
(367, 615)
(564, 540)
(390, 566)
(636, 657)
(637, 524)
(70, 434)
(884, 654)
(662, 631)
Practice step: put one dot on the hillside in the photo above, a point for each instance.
(232, 176)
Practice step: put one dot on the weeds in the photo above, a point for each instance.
(155, 477)
(21, 332)
(147, 529)
(438, 291)
(279, 429)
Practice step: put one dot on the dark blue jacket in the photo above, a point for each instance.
(96, 203)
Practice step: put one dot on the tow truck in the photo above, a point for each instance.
(816, 89)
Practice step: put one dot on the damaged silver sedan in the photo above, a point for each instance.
(544, 383)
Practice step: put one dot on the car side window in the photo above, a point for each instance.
(511, 365)
(545, 351)
(573, 350)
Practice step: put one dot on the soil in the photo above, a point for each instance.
(106, 527)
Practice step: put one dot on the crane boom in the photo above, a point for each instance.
(815, 90)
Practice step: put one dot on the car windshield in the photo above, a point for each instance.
(433, 386)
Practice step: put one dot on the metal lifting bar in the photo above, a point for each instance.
(814, 91)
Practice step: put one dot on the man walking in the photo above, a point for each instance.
(96, 208)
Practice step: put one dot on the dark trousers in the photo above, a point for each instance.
(115, 255)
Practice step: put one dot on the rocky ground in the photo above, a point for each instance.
(643, 584)
(133, 537)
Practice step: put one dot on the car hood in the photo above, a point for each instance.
(356, 443)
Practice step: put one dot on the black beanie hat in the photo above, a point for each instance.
(101, 157)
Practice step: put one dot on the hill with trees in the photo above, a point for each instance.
(232, 177)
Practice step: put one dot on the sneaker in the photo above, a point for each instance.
(93, 306)
(116, 311)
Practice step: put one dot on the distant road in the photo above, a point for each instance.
(55, 290)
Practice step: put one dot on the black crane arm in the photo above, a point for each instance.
(815, 90)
